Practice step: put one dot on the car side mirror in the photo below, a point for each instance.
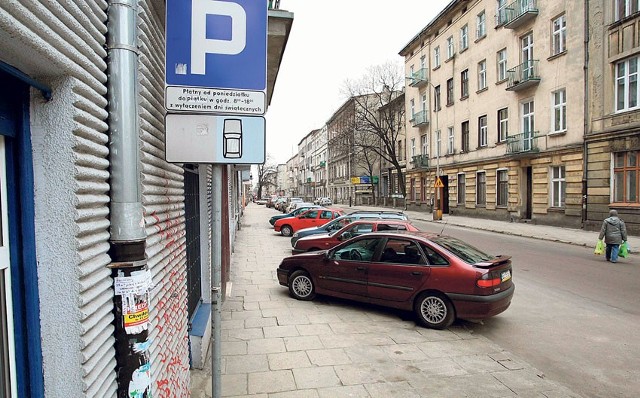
(346, 236)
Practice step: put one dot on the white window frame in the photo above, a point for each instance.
(625, 8)
(450, 140)
(558, 191)
(481, 25)
(501, 57)
(424, 103)
(437, 101)
(503, 125)
(559, 35)
(423, 62)
(464, 83)
(412, 108)
(413, 147)
(451, 50)
(627, 85)
(438, 142)
(559, 114)
(424, 140)
(436, 57)
(482, 131)
(528, 123)
(464, 37)
(482, 74)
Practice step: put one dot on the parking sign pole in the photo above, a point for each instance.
(216, 279)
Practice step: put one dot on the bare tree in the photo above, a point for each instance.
(379, 114)
(267, 175)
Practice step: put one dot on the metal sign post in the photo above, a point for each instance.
(216, 80)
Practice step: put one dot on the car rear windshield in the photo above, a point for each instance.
(464, 251)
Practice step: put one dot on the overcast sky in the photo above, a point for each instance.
(331, 41)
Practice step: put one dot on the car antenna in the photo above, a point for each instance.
(445, 224)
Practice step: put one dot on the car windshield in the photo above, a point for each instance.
(464, 251)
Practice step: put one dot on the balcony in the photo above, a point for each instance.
(420, 161)
(323, 163)
(523, 76)
(420, 119)
(523, 143)
(519, 13)
(418, 78)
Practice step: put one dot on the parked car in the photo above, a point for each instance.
(261, 201)
(346, 219)
(314, 217)
(280, 203)
(288, 209)
(271, 200)
(325, 201)
(296, 205)
(356, 228)
(294, 213)
(439, 278)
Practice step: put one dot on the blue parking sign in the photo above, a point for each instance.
(216, 43)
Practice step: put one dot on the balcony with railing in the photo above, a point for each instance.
(323, 164)
(523, 143)
(420, 161)
(418, 78)
(518, 13)
(420, 119)
(523, 76)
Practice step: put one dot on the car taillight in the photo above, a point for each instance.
(486, 280)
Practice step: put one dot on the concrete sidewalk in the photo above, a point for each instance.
(278, 347)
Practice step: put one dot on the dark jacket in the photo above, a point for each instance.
(613, 230)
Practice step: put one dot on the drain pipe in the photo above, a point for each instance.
(131, 277)
(587, 121)
(216, 280)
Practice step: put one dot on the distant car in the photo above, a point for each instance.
(325, 202)
(280, 203)
(356, 228)
(287, 226)
(262, 201)
(271, 200)
(347, 219)
(291, 201)
(294, 213)
(439, 278)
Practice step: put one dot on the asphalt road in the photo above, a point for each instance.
(574, 316)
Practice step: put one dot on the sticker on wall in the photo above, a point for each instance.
(134, 290)
(140, 382)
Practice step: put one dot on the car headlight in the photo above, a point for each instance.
(295, 235)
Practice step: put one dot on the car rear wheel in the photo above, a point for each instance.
(301, 286)
(286, 230)
(434, 311)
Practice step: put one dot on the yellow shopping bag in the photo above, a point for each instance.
(599, 250)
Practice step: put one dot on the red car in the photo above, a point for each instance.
(356, 228)
(438, 277)
(310, 218)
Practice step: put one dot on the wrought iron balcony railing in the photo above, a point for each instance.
(419, 161)
(524, 75)
(524, 142)
(420, 119)
(418, 78)
(519, 12)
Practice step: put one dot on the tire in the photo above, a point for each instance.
(286, 230)
(434, 311)
(301, 286)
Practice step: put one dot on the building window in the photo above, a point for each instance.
(464, 38)
(482, 131)
(423, 189)
(413, 147)
(482, 74)
(465, 136)
(423, 62)
(450, 47)
(423, 105)
(461, 189)
(559, 35)
(450, 141)
(481, 25)
(436, 98)
(558, 186)
(502, 198)
(528, 125)
(559, 111)
(501, 14)
(412, 194)
(425, 144)
(464, 83)
(627, 84)
(449, 92)
(502, 64)
(503, 124)
(624, 8)
(436, 57)
(438, 142)
(625, 181)
(400, 151)
(412, 106)
(481, 188)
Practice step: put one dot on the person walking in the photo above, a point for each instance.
(614, 233)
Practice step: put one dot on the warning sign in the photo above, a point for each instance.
(438, 183)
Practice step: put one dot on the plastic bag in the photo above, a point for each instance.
(599, 250)
(624, 250)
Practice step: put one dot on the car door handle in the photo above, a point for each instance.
(361, 268)
(416, 273)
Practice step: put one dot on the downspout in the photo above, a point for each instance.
(587, 124)
(127, 229)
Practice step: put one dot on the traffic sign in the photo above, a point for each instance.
(214, 139)
(216, 44)
(438, 183)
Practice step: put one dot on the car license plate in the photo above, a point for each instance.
(505, 275)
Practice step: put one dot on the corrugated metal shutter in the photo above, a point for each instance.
(163, 201)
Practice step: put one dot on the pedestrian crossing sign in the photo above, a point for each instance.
(438, 183)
